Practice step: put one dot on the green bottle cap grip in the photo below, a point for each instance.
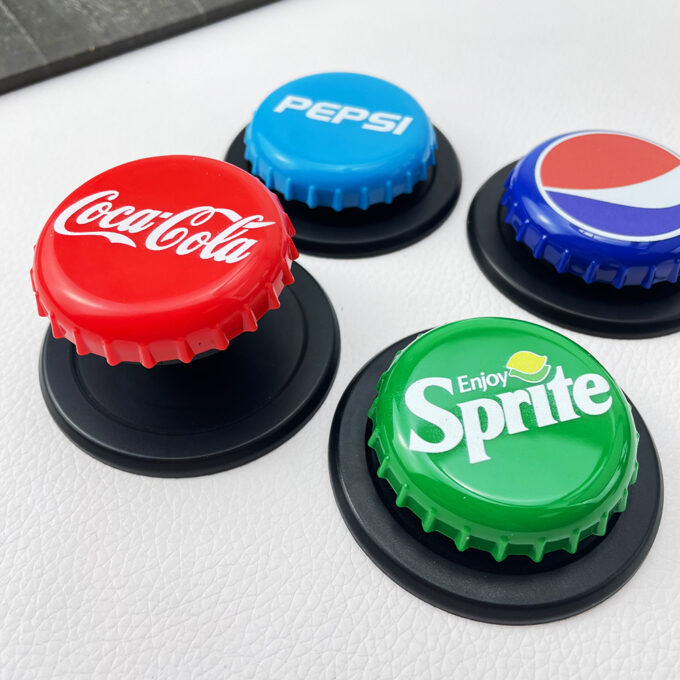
(504, 436)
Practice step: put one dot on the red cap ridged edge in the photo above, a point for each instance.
(185, 348)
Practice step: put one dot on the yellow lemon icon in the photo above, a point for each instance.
(528, 366)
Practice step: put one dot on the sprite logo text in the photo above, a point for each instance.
(524, 365)
(477, 421)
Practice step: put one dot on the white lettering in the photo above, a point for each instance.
(492, 380)
(559, 386)
(381, 122)
(323, 111)
(330, 112)
(293, 102)
(405, 122)
(62, 218)
(350, 113)
(418, 404)
(106, 222)
(229, 245)
(138, 221)
(588, 386)
(512, 410)
(475, 436)
(539, 400)
(485, 419)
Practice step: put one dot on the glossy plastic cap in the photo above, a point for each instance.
(604, 206)
(162, 259)
(340, 140)
(504, 436)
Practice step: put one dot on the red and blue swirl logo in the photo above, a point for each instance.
(612, 184)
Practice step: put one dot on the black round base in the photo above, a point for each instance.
(381, 228)
(472, 583)
(217, 412)
(564, 299)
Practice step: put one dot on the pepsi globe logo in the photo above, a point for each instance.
(613, 185)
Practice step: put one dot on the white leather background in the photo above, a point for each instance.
(252, 573)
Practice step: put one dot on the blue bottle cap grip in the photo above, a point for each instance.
(604, 206)
(340, 140)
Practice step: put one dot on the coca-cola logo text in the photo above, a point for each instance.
(164, 230)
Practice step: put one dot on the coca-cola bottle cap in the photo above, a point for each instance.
(162, 258)
(151, 264)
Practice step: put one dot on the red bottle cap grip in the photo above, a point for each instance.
(162, 258)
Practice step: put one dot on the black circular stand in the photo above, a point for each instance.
(472, 583)
(564, 299)
(217, 412)
(381, 228)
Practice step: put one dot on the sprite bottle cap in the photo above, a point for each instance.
(505, 437)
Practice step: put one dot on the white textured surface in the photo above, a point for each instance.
(252, 573)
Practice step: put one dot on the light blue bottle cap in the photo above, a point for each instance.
(340, 140)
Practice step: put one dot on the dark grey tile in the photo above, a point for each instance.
(18, 53)
(65, 28)
(39, 38)
(125, 18)
(224, 8)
